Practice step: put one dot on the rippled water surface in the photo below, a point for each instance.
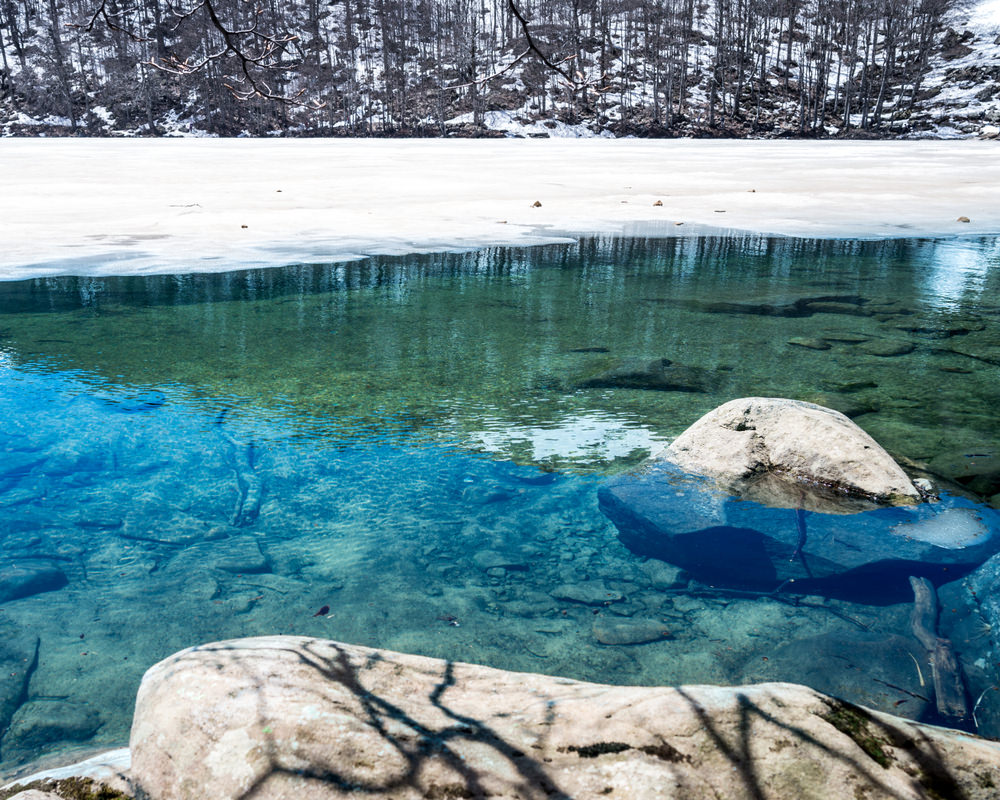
(417, 444)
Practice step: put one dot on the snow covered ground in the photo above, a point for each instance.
(99, 207)
(963, 82)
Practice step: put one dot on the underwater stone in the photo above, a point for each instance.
(661, 374)
(848, 387)
(237, 554)
(18, 661)
(886, 347)
(875, 669)
(845, 338)
(490, 559)
(851, 305)
(181, 529)
(258, 716)
(942, 331)
(661, 575)
(848, 405)
(39, 724)
(149, 400)
(483, 494)
(27, 579)
(590, 593)
(629, 631)
(833, 307)
(808, 343)
(984, 586)
(977, 470)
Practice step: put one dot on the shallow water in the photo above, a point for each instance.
(417, 443)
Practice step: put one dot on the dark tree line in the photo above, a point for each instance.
(377, 67)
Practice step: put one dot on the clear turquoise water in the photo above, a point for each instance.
(417, 442)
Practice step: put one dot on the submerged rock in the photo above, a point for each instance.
(590, 593)
(944, 329)
(846, 403)
(40, 724)
(491, 559)
(148, 400)
(28, 578)
(280, 717)
(181, 529)
(844, 337)
(662, 576)
(875, 669)
(617, 631)
(236, 554)
(984, 588)
(776, 494)
(18, 661)
(851, 305)
(977, 470)
(661, 374)
(886, 347)
(809, 343)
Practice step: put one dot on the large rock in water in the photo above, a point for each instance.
(764, 493)
(291, 717)
(803, 445)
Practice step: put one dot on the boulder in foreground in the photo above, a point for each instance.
(292, 717)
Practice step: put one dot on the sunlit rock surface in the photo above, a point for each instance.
(802, 445)
(282, 717)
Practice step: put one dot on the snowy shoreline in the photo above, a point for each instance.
(114, 207)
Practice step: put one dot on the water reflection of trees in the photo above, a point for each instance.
(518, 334)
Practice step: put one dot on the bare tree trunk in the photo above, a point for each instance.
(59, 59)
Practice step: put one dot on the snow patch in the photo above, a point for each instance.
(518, 127)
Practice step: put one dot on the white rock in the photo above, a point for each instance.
(290, 717)
(752, 438)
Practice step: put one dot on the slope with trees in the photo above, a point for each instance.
(435, 67)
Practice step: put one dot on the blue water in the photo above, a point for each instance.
(418, 445)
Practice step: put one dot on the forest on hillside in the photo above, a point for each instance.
(436, 67)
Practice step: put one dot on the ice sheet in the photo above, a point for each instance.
(99, 207)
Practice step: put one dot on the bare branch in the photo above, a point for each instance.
(110, 19)
(576, 81)
(480, 81)
(526, 30)
(255, 52)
